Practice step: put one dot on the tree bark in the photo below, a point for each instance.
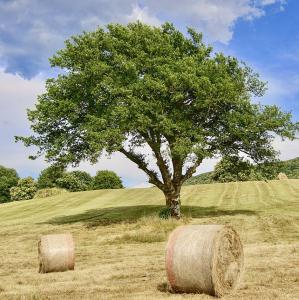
(173, 202)
(171, 181)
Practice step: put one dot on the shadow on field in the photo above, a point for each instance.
(130, 214)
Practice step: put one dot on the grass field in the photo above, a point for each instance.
(120, 244)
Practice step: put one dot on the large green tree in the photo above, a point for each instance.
(128, 86)
(8, 178)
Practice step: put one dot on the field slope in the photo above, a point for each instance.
(120, 244)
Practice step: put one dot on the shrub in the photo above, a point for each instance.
(72, 183)
(8, 179)
(25, 189)
(107, 180)
(49, 176)
(44, 193)
(85, 178)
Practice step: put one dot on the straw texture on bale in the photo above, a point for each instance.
(56, 253)
(282, 176)
(204, 259)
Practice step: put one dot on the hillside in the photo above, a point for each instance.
(93, 205)
(202, 178)
(120, 243)
(289, 167)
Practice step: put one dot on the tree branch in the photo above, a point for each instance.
(177, 165)
(190, 171)
(155, 145)
(138, 159)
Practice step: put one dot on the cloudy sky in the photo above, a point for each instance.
(264, 33)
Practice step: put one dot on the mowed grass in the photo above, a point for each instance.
(120, 242)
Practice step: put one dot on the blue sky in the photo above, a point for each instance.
(263, 33)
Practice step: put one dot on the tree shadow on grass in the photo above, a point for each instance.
(131, 214)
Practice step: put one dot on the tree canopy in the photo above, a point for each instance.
(8, 178)
(234, 168)
(75, 181)
(49, 176)
(129, 86)
(106, 180)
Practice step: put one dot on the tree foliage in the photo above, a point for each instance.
(71, 182)
(84, 177)
(234, 168)
(8, 178)
(25, 189)
(56, 176)
(133, 85)
(49, 176)
(107, 180)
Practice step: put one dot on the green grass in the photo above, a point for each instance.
(113, 206)
(120, 241)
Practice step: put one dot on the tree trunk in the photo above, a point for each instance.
(174, 204)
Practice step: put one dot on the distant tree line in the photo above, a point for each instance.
(51, 180)
(233, 168)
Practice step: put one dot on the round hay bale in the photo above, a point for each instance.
(56, 253)
(204, 259)
(282, 176)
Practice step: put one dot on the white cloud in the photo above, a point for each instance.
(283, 87)
(270, 2)
(215, 18)
(282, 91)
(288, 149)
(207, 165)
(16, 95)
(32, 30)
(143, 15)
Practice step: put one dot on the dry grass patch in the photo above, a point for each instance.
(134, 269)
(149, 230)
(49, 192)
(127, 260)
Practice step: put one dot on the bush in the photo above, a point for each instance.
(49, 176)
(107, 180)
(25, 189)
(8, 179)
(85, 178)
(70, 182)
(44, 193)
